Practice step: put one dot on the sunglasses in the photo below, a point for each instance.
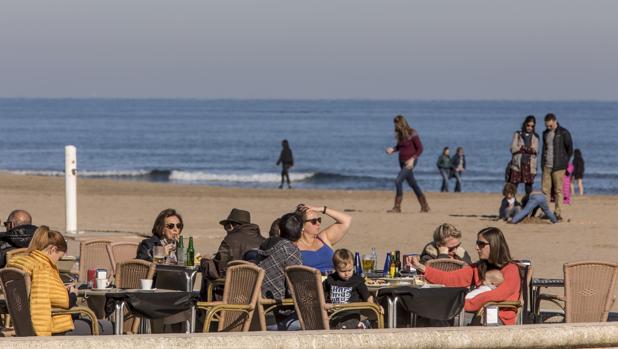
(171, 226)
(314, 221)
(481, 244)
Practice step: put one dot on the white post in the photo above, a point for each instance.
(70, 182)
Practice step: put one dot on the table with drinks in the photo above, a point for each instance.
(395, 286)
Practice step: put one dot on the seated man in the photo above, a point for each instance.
(19, 232)
(532, 203)
(242, 237)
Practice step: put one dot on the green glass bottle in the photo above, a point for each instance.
(190, 253)
(180, 252)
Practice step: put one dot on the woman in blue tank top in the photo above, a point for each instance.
(315, 245)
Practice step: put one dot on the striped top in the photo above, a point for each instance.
(46, 292)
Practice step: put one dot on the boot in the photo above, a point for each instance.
(397, 207)
(424, 205)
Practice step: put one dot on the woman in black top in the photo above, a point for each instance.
(287, 161)
(578, 171)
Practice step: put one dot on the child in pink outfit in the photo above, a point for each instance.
(566, 184)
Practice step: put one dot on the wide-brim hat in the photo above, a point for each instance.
(237, 216)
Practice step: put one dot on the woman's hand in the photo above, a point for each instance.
(410, 163)
(390, 150)
(168, 248)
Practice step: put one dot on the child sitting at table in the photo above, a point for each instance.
(344, 287)
(493, 279)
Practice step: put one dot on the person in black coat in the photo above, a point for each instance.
(286, 160)
(557, 151)
(578, 170)
(165, 232)
(19, 233)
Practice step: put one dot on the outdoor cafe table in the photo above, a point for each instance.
(149, 304)
(432, 302)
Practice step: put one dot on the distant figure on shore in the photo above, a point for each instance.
(18, 234)
(557, 151)
(444, 166)
(524, 148)
(286, 160)
(566, 186)
(458, 166)
(509, 207)
(410, 148)
(578, 172)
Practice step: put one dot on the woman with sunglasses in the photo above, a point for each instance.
(315, 245)
(446, 244)
(524, 148)
(493, 254)
(165, 232)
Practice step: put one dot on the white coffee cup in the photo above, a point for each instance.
(145, 284)
(101, 284)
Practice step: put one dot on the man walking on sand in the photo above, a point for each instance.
(557, 150)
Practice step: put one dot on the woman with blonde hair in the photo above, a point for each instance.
(47, 290)
(410, 148)
(446, 244)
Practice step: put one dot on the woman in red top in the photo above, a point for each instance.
(493, 254)
(410, 148)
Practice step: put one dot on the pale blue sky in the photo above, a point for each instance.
(310, 49)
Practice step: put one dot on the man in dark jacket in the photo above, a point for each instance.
(19, 232)
(242, 237)
(557, 151)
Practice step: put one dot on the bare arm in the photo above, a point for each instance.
(336, 231)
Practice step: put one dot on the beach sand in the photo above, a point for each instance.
(107, 205)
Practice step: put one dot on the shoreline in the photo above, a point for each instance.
(129, 206)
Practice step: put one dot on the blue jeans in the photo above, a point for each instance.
(444, 172)
(407, 175)
(457, 176)
(535, 200)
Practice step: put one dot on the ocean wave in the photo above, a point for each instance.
(201, 176)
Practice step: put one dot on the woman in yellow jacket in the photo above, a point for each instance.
(47, 290)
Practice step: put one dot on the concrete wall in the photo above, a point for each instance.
(530, 336)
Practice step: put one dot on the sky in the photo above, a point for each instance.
(357, 49)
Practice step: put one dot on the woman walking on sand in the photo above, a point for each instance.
(578, 171)
(524, 148)
(410, 148)
(287, 161)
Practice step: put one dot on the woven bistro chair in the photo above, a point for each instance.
(243, 285)
(265, 306)
(128, 275)
(522, 304)
(95, 254)
(220, 282)
(588, 291)
(16, 284)
(305, 285)
(445, 264)
(122, 251)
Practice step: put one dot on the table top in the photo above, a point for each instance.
(539, 282)
(111, 292)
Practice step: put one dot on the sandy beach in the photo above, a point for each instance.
(127, 206)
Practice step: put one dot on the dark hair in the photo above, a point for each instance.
(43, 237)
(550, 117)
(577, 154)
(157, 228)
(459, 149)
(402, 128)
(444, 150)
(499, 253)
(274, 228)
(291, 226)
(285, 144)
(509, 188)
(529, 118)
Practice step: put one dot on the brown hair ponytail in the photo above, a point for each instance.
(43, 237)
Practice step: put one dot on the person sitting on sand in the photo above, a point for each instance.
(316, 245)
(446, 244)
(531, 204)
(509, 206)
(493, 254)
(493, 279)
(165, 232)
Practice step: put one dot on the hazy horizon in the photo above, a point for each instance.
(339, 50)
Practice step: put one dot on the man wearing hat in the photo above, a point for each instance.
(242, 236)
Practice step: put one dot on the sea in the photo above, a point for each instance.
(337, 144)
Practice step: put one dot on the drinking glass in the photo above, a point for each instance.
(158, 254)
(368, 264)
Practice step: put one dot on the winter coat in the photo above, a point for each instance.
(518, 148)
(18, 237)
(563, 148)
(431, 252)
(444, 162)
(275, 255)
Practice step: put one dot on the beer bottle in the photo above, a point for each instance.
(180, 252)
(398, 263)
(190, 253)
(393, 268)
